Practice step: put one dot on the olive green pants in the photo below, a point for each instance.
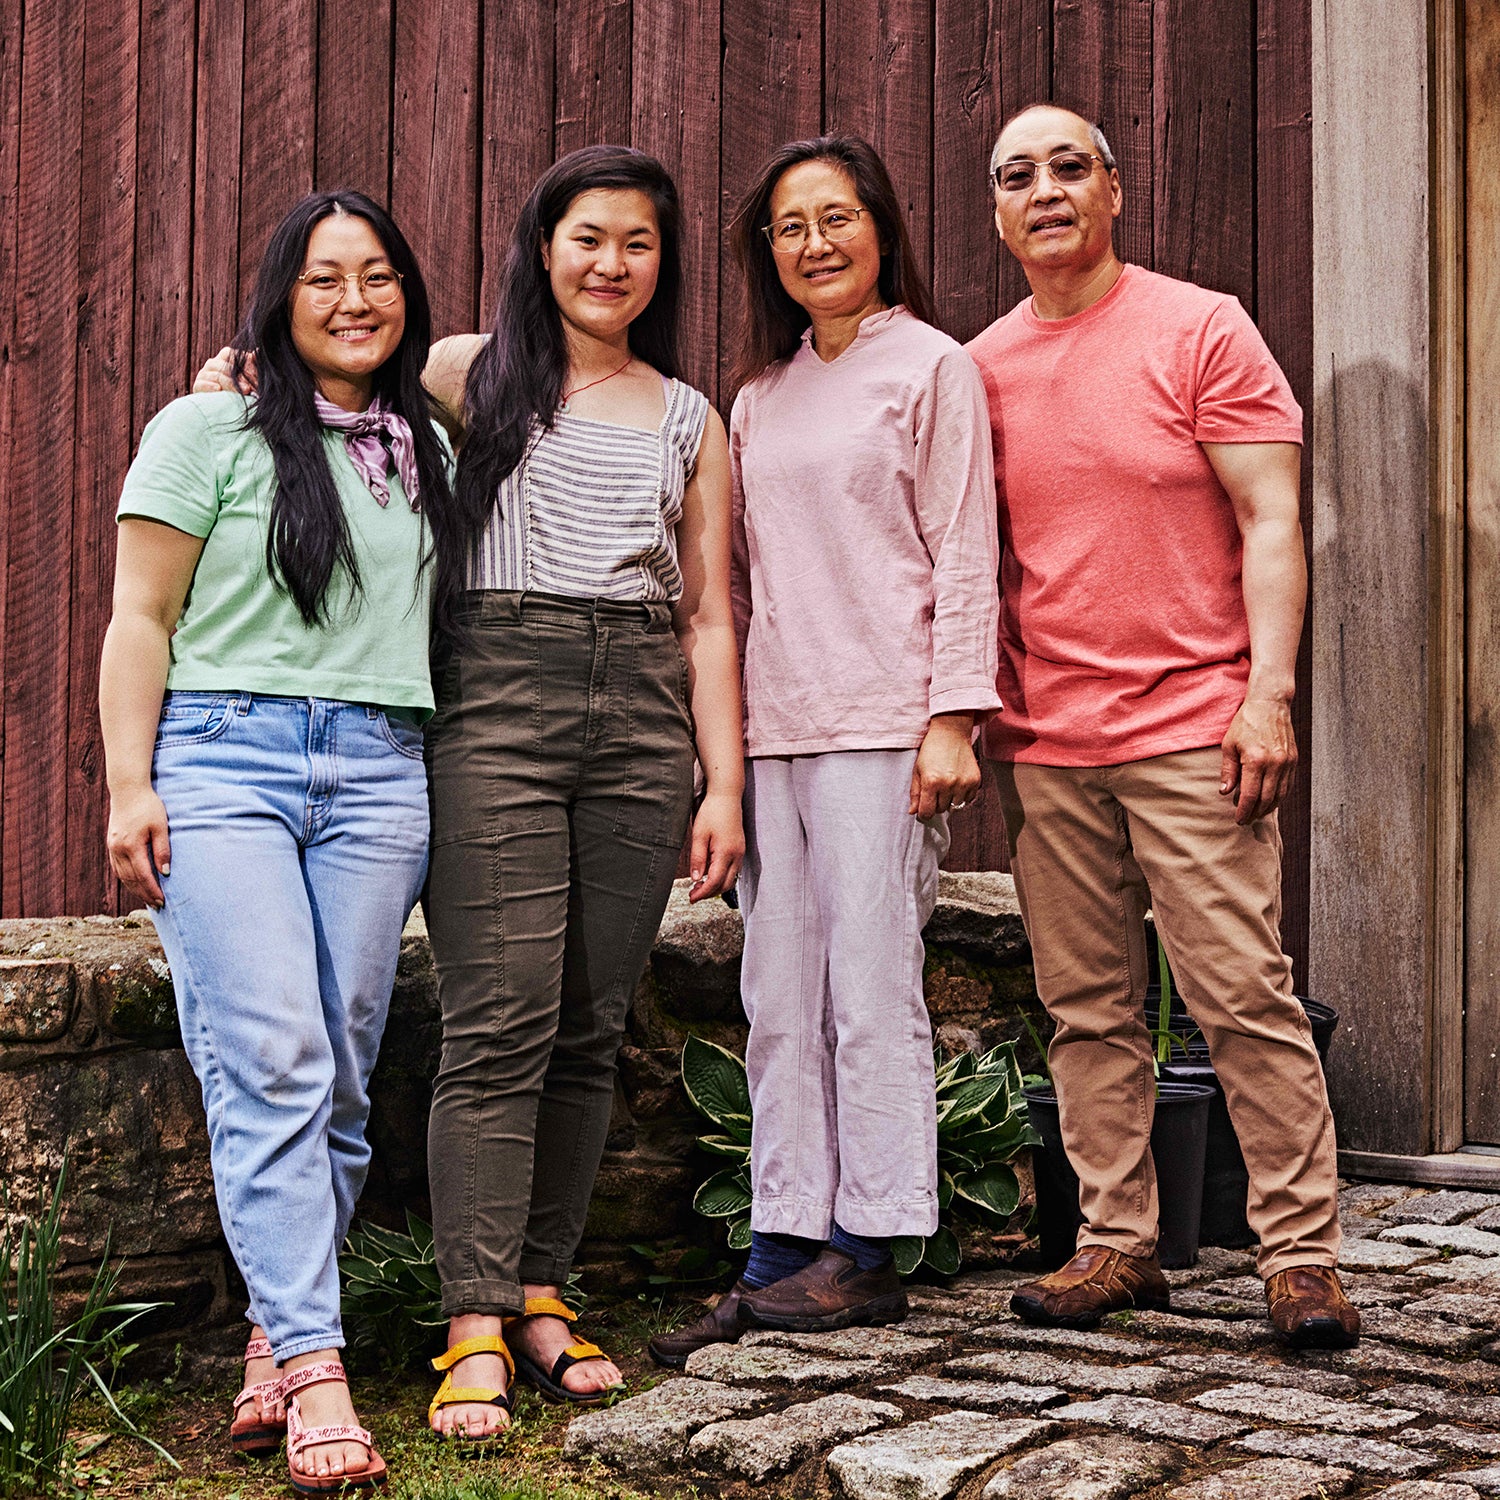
(561, 761)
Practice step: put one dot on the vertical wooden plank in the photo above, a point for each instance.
(435, 152)
(1284, 311)
(878, 83)
(675, 116)
(10, 187)
(771, 85)
(42, 400)
(1370, 881)
(1482, 178)
(354, 97)
(593, 46)
(216, 309)
(101, 449)
(1101, 66)
(517, 79)
(278, 121)
(163, 207)
(1203, 144)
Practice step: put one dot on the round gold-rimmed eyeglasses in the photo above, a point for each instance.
(380, 286)
(787, 236)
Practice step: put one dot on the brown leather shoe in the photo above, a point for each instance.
(719, 1325)
(1096, 1281)
(1309, 1309)
(832, 1292)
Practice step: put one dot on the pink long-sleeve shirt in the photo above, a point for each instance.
(865, 549)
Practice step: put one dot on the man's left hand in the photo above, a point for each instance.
(1260, 758)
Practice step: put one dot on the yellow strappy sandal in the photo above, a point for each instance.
(449, 1394)
(550, 1385)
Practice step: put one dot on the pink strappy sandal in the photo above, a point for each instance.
(298, 1437)
(250, 1432)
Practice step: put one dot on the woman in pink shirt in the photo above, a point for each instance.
(866, 611)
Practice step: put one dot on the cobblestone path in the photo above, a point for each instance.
(1201, 1403)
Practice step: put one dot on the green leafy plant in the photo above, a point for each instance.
(393, 1296)
(981, 1126)
(716, 1084)
(46, 1364)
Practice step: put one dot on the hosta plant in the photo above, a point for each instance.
(981, 1126)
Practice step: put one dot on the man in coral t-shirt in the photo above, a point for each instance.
(1147, 459)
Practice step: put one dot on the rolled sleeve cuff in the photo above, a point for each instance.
(972, 695)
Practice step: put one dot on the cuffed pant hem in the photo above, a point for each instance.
(1267, 1266)
(542, 1272)
(307, 1344)
(808, 1221)
(490, 1299)
(886, 1220)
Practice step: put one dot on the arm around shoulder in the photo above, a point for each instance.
(446, 375)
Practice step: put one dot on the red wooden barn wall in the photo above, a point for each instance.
(147, 148)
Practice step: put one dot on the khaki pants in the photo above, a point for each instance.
(1090, 848)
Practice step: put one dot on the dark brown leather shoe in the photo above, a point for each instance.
(1096, 1281)
(1309, 1309)
(832, 1292)
(719, 1325)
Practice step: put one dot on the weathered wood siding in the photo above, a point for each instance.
(146, 152)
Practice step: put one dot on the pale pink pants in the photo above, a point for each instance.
(838, 882)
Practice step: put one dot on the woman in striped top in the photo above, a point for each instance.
(596, 646)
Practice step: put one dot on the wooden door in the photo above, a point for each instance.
(1482, 484)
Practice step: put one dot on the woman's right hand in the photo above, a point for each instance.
(137, 843)
(218, 375)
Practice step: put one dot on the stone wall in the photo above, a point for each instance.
(90, 1062)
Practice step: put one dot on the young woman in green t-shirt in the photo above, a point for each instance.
(262, 683)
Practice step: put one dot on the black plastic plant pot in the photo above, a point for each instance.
(1324, 1020)
(1179, 1138)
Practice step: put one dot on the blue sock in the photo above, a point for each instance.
(867, 1253)
(773, 1256)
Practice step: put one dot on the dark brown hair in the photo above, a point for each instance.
(772, 323)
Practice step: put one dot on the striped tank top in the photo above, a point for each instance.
(592, 508)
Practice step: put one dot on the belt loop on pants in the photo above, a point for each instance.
(243, 702)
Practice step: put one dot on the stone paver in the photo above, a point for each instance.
(1371, 1357)
(1382, 1255)
(1471, 1308)
(769, 1364)
(1487, 1479)
(1235, 1367)
(1372, 1197)
(1428, 1489)
(1489, 1219)
(1212, 1301)
(1270, 1479)
(1457, 1237)
(1017, 1335)
(1301, 1408)
(1213, 1264)
(651, 1431)
(934, 1325)
(758, 1447)
(1086, 1468)
(1440, 1208)
(1139, 1414)
(1242, 1334)
(1476, 1440)
(1441, 1403)
(886, 1344)
(929, 1460)
(1070, 1374)
(976, 1395)
(1365, 1455)
(1400, 1327)
(1467, 1268)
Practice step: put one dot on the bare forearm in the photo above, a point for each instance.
(714, 692)
(132, 680)
(1275, 591)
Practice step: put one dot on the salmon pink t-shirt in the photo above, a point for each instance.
(1123, 632)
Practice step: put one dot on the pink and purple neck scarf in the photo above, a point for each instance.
(375, 438)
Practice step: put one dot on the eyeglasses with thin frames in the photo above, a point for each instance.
(788, 236)
(380, 286)
(1067, 169)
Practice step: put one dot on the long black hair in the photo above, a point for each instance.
(517, 377)
(772, 324)
(308, 538)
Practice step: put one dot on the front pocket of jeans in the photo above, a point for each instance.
(404, 739)
(194, 725)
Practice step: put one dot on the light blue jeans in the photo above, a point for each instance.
(298, 831)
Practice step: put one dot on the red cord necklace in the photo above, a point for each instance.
(577, 389)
